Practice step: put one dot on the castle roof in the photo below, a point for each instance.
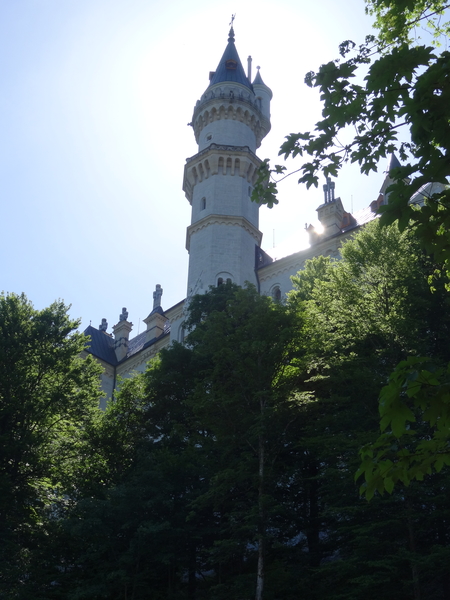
(258, 79)
(230, 67)
(101, 344)
(394, 163)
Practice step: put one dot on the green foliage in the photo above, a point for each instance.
(247, 346)
(361, 316)
(389, 94)
(182, 489)
(418, 393)
(375, 305)
(396, 21)
(48, 396)
(401, 106)
(234, 454)
(375, 301)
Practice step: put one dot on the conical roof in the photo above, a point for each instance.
(230, 67)
(394, 162)
(258, 79)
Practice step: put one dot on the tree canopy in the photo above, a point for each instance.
(391, 94)
(48, 396)
(227, 468)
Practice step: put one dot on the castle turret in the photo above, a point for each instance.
(263, 95)
(229, 121)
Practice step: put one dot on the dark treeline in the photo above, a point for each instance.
(226, 470)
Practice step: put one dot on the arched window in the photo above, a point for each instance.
(228, 279)
(220, 281)
(276, 293)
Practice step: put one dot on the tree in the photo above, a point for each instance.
(248, 345)
(233, 455)
(375, 302)
(362, 315)
(139, 531)
(191, 453)
(402, 106)
(48, 395)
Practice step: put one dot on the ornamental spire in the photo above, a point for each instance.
(231, 32)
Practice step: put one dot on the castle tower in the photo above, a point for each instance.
(229, 121)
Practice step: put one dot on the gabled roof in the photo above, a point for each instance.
(230, 67)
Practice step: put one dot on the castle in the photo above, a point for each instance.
(223, 240)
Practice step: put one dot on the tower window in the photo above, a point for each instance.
(220, 281)
(203, 204)
(231, 65)
(209, 137)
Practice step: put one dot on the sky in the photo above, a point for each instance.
(95, 98)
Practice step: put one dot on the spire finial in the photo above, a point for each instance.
(231, 33)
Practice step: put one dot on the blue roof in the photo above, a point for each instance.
(258, 79)
(230, 67)
(101, 344)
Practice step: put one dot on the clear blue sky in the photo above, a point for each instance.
(95, 100)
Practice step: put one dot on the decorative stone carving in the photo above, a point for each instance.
(157, 296)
